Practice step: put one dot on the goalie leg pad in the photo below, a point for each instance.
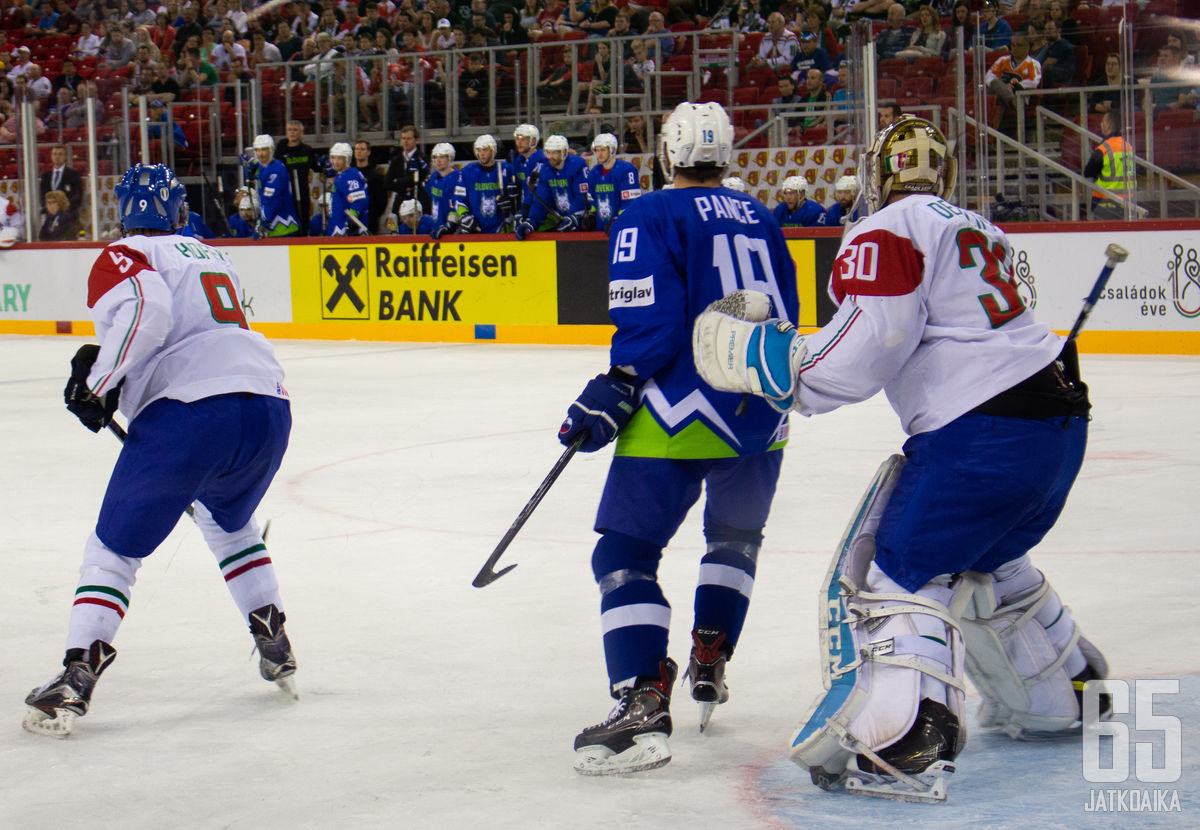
(892, 658)
(1023, 651)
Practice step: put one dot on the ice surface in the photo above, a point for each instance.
(428, 703)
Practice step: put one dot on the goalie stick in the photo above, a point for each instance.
(1116, 254)
(486, 574)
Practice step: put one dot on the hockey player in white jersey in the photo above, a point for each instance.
(208, 425)
(937, 553)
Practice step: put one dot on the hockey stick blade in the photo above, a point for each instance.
(1116, 254)
(487, 575)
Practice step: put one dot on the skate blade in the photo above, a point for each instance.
(933, 780)
(648, 752)
(57, 726)
(287, 685)
(706, 713)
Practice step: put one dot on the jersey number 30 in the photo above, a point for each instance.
(223, 299)
(1003, 303)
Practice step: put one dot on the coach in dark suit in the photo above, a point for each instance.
(61, 177)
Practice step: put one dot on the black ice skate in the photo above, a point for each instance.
(634, 736)
(53, 708)
(706, 670)
(276, 661)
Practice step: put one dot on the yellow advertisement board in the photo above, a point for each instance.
(425, 283)
(804, 255)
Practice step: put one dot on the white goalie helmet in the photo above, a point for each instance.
(795, 183)
(485, 141)
(696, 136)
(443, 149)
(342, 149)
(557, 144)
(909, 156)
(264, 142)
(605, 140)
(734, 183)
(528, 131)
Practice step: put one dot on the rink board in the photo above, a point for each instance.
(555, 290)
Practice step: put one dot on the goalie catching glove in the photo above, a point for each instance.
(738, 349)
(95, 412)
(601, 410)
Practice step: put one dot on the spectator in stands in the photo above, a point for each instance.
(816, 95)
(37, 84)
(1178, 39)
(660, 38)
(87, 45)
(192, 23)
(59, 113)
(63, 179)
(795, 209)
(598, 19)
(194, 72)
(928, 39)
(68, 21)
(788, 98)
(1057, 57)
(239, 75)
(635, 139)
(599, 85)
(1104, 100)
(1108, 165)
(1037, 14)
(7, 89)
(1168, 71)
(120, 50)
(67, 77)
(164, 87)
(895, 36)
(89, 96)
(287, 42)
(225, 51)
(887, 113)
(960, 18)
(1010, 73)
(473, 90)
(778, 47)
(810, 56)
(997, 34)
(10, 125)
(1058, 11)
(208, 44)
(263, 50)
(444, 38)
(44, 22)
(20, 65)
(638, 67)
(874, 9)
(60, 223)
(511, 33)
(142, 15)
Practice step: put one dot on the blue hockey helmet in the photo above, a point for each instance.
(150, 197)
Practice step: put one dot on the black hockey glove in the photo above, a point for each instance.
(467, 224)
(95, 412)
(601, 410)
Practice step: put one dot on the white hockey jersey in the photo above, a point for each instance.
(169, 317)
(928, 312)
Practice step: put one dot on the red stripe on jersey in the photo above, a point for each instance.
(877, 263)
(257, 563)
(115, 264)
(105, 603)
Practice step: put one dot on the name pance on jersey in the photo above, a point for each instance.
(724, 207)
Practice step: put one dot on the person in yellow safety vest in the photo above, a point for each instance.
(1107, 165)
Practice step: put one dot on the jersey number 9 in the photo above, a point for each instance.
(223, 299)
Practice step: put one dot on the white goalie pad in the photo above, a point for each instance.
(1023, 649)
(884, 650)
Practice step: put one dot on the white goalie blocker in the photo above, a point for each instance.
(890, 722)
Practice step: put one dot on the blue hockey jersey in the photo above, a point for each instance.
(523, 166)
(834, 217)
(441, 195)
(349, 196)
(477, 191)
(808, 214)
(425, 226)
(611, 190)
(196, 228)
(239, 228)
(564, 191)
(671, 253)
(275, 197)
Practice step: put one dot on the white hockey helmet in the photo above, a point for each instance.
(342, 149)
(846, 183)
(909, 156)
(245, 204)
(557, 144)
(734, 183)
(485, 141)
(528, 131)
(443, 149)
(9, 237)
(605, 140)
(696, 136)
(410, 207)
(264, 142)
(795, 183)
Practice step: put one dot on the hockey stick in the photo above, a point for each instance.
(486, 575)
(1116, 254)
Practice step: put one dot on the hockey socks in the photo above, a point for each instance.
(102, 596)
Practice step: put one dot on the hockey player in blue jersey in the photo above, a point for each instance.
(844, 194)
(194, 225)
(560, 192)
(412, 221)
(243, 222)
(348, 204)
(480, 200)
(274, 188)
(525, 159)
(672, 252)
(797, 210)
(440, 187)
(612, 182)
